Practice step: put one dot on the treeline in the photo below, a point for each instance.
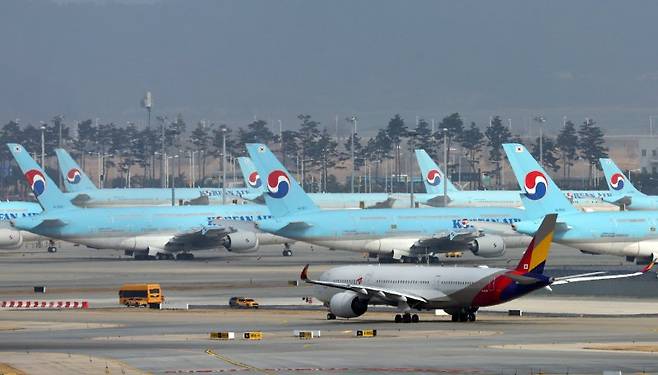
(311, 150)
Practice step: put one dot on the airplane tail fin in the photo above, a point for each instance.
(252, 179)
(539, 194)
(433, 178)
(283, 194)
(75, 179)
(43, 187)
(614, 177)
(535, 256)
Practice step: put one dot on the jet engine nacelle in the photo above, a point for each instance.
(10, 238)
(488, 246)
(241, 242)
(347, 305)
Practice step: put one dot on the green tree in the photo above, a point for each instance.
(290, 146)
(591, 146)
(396, 131)
(200, 141)
(472, 140)
(422, 138)
(256, 132)
(455, 129)
(549, 151)
(497, 134)
(567, 143)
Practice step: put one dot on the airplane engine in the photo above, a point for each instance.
(10, 238)
(347, 305)
(488, 246)
(241, 242)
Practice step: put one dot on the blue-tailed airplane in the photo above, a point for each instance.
(623, 193)
(83, 193)
(146, 232)
(436, 182)
(401, 234)
(621, 233)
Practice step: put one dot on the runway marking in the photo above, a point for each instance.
(236, 363)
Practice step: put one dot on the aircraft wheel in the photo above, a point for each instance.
(463, 317)
(406, 318)
(471, 317)
(455, 317)
(398, 318)
(52, 249)
(161, 256)
(331, 316)
(415, 318)
(287, 252)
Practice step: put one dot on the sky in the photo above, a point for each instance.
(233, 61)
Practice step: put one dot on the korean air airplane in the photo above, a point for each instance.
(83, 193)
(10, 237)
(146, 232)
(622, 233)
(348, 291)
(390, 233)
(623, 193)
(434, 181)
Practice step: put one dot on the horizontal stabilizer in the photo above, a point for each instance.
(522, 279)
(388, 203)
(437, 201)
(619, 200)
(81, 199)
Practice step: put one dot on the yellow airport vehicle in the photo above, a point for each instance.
(366, 333)
(222, 335)
(254, 335)
(243, 303)
(141, 295)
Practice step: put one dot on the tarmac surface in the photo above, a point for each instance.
(581, 328)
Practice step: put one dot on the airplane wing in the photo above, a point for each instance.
(593, 276)
(50, 223)
(201, 237)
(202, 200)
(81, 199)
(370, 291)
(619, 200)
(296, 225)
(437, 201)
(458, 237)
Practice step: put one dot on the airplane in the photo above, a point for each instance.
(624, 194)
(460, 291)
(83, 193)
(621, 233)
(436, 182)
(400, 234)
(145, 232)
(11, 238)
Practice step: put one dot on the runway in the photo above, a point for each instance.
(585, 329)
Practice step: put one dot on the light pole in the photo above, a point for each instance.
(354, 119)
(540, 120)
(445, 165)
(173, 179)
(223, 164)
(162, 166)
(43, 144)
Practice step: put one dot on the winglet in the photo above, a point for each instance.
(304, 274)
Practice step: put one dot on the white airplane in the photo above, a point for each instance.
(460, 291)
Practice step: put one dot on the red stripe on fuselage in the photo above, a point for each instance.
(491, 293)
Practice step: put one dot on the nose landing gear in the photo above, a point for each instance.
(407, 318)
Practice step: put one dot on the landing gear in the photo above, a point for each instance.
(407, 318)
(464, 315)
(184, 256)
(164, 256)
(331, 316)
(287, 252)
(51, 247)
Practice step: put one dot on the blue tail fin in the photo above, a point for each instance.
(252, 179)
(433, 178)
(43, 187)
(540, 195)
(283, 195)
(617, 182)
(75, 179)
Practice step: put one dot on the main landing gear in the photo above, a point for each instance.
(331, 316)
(287, 252)
(184, 256)
(406, 318)
(464, 315)
(51, 247)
